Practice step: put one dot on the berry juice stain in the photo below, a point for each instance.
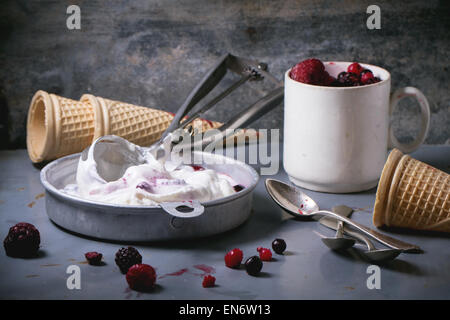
(205, 268)
(300, 211)
(197, 167)
(175, 274)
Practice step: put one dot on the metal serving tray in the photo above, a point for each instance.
(147, 223)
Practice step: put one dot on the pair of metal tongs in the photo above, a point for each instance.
(249, 70)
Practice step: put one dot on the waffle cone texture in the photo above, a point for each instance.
(412, 194)
(57, 126)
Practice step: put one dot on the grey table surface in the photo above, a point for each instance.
(308, 269)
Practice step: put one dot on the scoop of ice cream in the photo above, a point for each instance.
(149, 183)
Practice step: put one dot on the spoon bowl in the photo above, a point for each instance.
(294, 201)
(372, 254)
(339, 242)
(382, 255)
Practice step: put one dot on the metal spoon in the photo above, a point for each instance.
(297, 203)
(372, 254)
(339, 242)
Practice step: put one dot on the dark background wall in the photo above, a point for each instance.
(152, 53)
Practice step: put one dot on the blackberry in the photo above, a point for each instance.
(22, 241)
(348, 79)
(253, 265)
(238, 187)
(127, 257)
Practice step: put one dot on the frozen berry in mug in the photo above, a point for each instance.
(310, 71)
(355, 68)
(348, 79)
(367, 77)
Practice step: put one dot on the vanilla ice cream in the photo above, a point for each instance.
(151, 183)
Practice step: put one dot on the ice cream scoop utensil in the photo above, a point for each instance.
(116, 156)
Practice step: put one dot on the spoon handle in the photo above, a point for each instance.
(384, 239)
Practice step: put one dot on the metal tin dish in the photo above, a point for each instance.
(147, 223)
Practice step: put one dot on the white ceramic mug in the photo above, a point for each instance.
(336, 138)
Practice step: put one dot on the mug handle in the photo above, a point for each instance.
(398, 95)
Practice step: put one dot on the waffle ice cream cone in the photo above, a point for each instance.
(57, 126)
(412, 194)
(140, 125)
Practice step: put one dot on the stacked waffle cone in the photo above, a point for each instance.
(58, 126)
(412, 194)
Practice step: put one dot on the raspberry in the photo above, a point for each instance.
(327, 80)
(234, 258)
(22, 241)
(141, 277)
(311, 71)
(279, 245)
(355, 68)
(253, 265)
(94, 258)
(126, 257)
(208, 281)
(264, 254)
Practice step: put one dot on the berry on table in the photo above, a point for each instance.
(94, 258)
(208, 281)
(22, 241)
(126, 257)
(264, 254)
(279, 245)
(234, 258)
(253, 265)
(141, 277)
